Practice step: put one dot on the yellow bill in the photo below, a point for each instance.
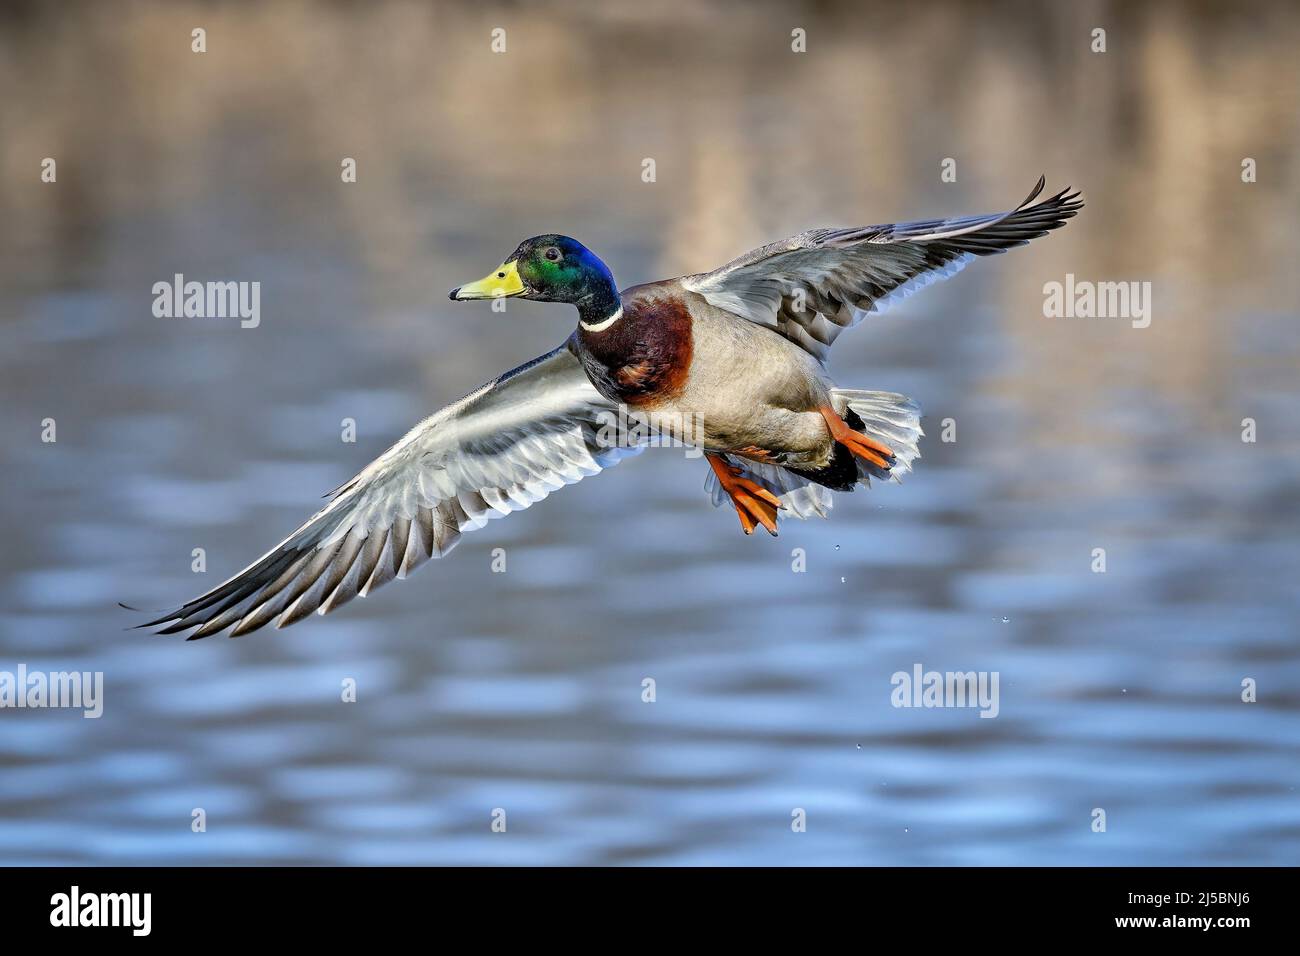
(501, 282)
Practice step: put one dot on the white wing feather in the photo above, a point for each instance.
(500, 449)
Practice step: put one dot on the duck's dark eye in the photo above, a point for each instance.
(553, 254)
(501, 275)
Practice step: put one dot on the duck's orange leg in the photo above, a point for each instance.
(861, 445)
(754, 504)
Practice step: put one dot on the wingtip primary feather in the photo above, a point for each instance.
(1038, 188)
(145, 624)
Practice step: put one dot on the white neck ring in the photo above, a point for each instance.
(603, 324)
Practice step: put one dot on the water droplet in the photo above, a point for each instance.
(907, 829)
(837, 547)
(859, 746)
(1006, 620)
(841, 580)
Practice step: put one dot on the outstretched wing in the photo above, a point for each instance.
(816, 284)
(500, 449)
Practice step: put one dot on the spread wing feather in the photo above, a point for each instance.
(500, 449)
(812, 286)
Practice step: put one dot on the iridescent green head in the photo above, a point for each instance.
(547, 269)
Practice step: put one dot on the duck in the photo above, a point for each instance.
(731, 362)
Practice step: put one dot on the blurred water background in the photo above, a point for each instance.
(522, 690)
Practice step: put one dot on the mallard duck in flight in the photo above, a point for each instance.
(738, 353)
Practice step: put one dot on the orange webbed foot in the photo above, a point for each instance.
(863, 446)
(754, 504)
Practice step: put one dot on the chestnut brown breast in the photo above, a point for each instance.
(644, 357)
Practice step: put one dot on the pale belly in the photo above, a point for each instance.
(750, 392)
